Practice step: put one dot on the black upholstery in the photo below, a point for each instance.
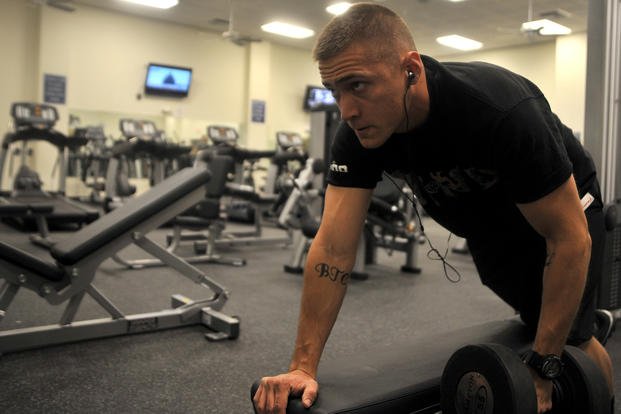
(387, 191)
(23, 209)
(133, 146)
(116, 223)
(609, 292)
(219, 166)
(611, 219)
(34, 134)
(62, 210)
(282, 158)
(25, 260)
(208, 210)
(400, 379)
(241, 154)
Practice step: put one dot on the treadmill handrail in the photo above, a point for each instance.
(54, 137)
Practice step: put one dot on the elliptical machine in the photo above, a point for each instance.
(388, 224)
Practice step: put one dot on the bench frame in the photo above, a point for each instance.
(77, 282)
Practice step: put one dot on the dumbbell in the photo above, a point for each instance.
(492, 379)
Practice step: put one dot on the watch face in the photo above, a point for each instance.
(552, 367)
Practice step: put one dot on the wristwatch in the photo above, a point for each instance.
(548, 367)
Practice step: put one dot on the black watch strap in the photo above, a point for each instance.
(547, 367)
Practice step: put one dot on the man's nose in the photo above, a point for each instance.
(348, 107)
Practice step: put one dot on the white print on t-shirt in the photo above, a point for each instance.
(338, 168)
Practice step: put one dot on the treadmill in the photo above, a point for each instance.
(27, 203)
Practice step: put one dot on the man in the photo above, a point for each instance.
(487, 159)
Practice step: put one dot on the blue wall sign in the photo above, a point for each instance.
(54, 88)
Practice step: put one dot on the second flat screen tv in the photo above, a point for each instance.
(167, 80)
(317, 98)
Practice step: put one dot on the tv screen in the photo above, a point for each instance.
(318, 99)
(167, 80)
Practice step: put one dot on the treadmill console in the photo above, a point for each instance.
(222, 135)
(131, 128)
(41, 116)
(287, 140)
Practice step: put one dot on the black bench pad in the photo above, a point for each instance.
(32, 263)
(400, 379)
(121, 220)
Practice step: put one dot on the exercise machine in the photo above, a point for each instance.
(66, 276)
(35, 122)
(90, 162)
(201, 224)
(246, 204)
(284, 166)
(609, 296)
(301, 214)
(390, 223)
(143, 145)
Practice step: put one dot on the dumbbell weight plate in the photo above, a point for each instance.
(582, 389)
(487, 379)
(491, 379)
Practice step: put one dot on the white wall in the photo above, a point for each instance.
(290, 70)
(19, 44)
(569, 103)
(104, 56)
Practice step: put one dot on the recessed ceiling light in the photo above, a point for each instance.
(288, 30)
(160, 4)
(338, 8)
(545, 27)
(459, 42)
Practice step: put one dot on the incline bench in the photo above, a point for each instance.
(400, 379)
(68, 274)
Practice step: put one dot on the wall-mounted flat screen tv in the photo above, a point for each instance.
(318, 99)
(167, 80)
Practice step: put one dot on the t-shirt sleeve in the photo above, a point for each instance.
(351, 165)
(529, 152)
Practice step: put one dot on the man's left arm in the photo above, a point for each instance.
(560, 219)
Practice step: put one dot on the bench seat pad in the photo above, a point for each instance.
(403, 378)
(123, 219)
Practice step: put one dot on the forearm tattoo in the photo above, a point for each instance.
(333, 273)
(549, 259)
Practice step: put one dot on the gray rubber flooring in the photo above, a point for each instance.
(178, 371)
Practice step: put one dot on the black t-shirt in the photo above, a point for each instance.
(490, 141)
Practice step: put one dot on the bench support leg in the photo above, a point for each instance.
(8, 292)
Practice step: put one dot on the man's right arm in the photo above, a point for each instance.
(326, 273)
(328, 265)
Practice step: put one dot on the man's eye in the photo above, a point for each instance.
(357, 86)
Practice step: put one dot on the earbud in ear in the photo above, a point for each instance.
(411, 77)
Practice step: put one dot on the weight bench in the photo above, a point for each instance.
(69, 272)
(404, 378)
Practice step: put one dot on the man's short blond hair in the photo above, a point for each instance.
(382, 30)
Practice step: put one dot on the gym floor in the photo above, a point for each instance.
(178, 371)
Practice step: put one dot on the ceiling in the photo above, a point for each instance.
(496, 23)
